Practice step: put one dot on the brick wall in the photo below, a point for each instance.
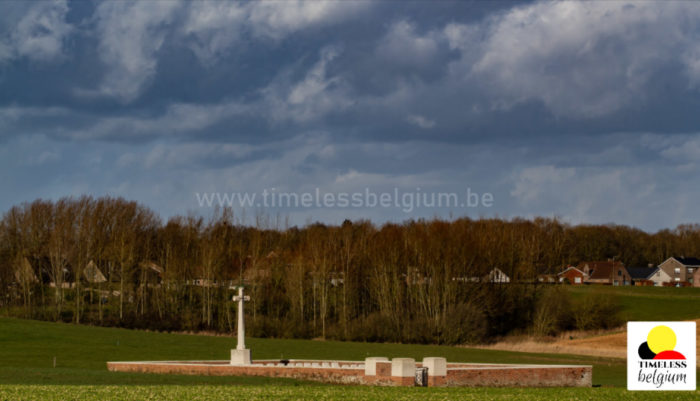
(572, 275)
(579, 376)
(326, 375)
(458, 374)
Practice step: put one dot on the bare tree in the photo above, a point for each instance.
(59, 247)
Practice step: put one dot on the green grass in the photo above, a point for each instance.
(650, 303)
(283, 393)
(27, 350)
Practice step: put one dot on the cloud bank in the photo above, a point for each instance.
(582, 110)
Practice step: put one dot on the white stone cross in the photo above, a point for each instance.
(240, 298)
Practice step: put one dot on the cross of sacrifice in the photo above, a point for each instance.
(240, 298)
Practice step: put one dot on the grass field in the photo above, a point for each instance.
(650, 303)
(320, 392)
(28, 348)
(637, 304)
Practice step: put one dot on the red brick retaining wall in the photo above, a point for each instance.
(347, 372)
(326, 375)
(551, 376)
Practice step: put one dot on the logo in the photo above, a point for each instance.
(661, 355)
(660, 345)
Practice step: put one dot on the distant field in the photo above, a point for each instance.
(650, 303)
(28, 348)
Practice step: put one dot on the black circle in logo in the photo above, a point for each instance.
(645, 352)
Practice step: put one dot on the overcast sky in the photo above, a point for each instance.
(587, 111)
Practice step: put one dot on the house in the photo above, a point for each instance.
(659, 277)
(547, 278)
(151, 274)
(337, 278)
(414, 276)
(24, 273)
(642, 276)
(256, 274)
(208, 279)
(93, 274)
(496, 275)
(696, 278)
(572, 275)
(680, 269)
(67, 280)
(605, 272)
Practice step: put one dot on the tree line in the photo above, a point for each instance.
(417, 281)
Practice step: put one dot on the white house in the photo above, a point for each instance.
(496, 275)
(93, 274)
(24, 273)
(659, 277)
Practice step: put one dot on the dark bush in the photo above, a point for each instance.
(553, 312)
(597, 311)
(464, 323)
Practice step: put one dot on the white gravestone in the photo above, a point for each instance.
(436, 366)
(403, 367)
(240, 355)
(371, 364)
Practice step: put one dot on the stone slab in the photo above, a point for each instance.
(371, 364)
(240, 357)
(403, 367)
(436, 366)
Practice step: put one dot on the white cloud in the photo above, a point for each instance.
(130, 35)
(534, 182)
(189, 155)
(279, 18)
(12, 115)
(35, 30)
(691, 59)
(40, 34)
(462, 37)
(44, 157)
(179, 118)
(420, 121)
(315, 82)
(214, 27)
(599, 195)
(5, 51)
(402, 45)
(349, 176)
(581, 59)
(681, 151)
(309, 98)
(327, 152)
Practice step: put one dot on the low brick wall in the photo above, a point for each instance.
(520, 376)
(383, 376)
(340, 375)
(353, 372)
